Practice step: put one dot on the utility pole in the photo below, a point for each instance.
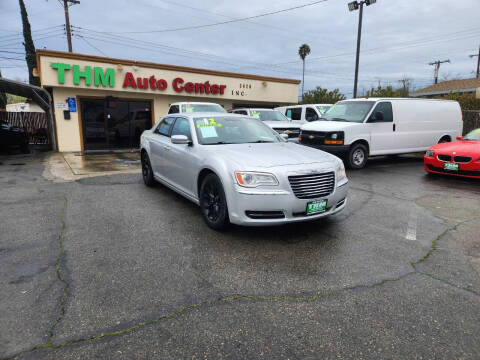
(67, 21)
(352, 6)
(478, 61)
(437, 67)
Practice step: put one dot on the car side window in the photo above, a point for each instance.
(164, 127)
(386, 109)
(295, 113)
(174, 109)
(243, 112)
(310, 114)
(181, 127)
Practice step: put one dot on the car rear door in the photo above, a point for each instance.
(382, 130)
(160, 145)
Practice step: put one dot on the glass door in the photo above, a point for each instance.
(93, 123)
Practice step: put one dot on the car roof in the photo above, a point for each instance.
(208, 114)
(392, 99)
(262, 109)
(195, 102)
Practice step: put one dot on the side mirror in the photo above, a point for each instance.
(180, 139)
(459, 138)
(284, 136)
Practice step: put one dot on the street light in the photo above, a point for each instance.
(352, 6)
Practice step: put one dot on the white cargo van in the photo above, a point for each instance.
(358, 128)
(302, 113)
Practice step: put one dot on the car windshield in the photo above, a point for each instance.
(349, 111)
(268, 115)
(233, 130)
(187, 108)
(323, 108)
(472, 135)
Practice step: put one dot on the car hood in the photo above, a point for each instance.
(464, 147)
(282, 124)
(267, 155)
(323, 125)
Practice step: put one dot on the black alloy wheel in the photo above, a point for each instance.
(213, 203)
(147, 172)
(357, 156)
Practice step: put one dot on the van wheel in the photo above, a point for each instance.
(444, 139)
(357, 156)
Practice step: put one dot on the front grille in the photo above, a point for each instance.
(312, 186)
(444, 157)
(462, 159)
(265, 214)
(293, 133)
(313, 137)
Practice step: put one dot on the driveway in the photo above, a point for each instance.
(105, 267)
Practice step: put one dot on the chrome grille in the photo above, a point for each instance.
(462, 159)
(312, 186)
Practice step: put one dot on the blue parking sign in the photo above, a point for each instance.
(72, 104)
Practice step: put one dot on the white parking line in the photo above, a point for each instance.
(412, 227)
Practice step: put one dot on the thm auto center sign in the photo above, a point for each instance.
(106, 77)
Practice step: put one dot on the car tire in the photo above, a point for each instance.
(213, 203)
(357, 156)
(147, 171)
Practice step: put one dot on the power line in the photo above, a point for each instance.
(223, 22)
(90, 44)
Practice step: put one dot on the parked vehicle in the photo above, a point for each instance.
(304, 113)
(275, 119)
(458, 158)
(241, 171)
(13, 136)
(358, 128)
(190, 107)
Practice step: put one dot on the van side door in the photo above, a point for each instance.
(381, 126)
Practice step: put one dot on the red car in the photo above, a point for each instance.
(458, 158)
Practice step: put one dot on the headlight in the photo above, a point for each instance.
(429, 153)
(334, 138)
(254, 179)
(341, 172)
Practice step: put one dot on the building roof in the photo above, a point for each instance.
(75, 56)
(445, 87)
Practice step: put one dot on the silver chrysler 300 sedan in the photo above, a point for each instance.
(239, 170)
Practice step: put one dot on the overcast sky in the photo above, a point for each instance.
(399, 38)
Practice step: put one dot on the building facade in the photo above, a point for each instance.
(104, 103)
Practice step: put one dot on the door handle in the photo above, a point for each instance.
(165, 147)
(394, 127)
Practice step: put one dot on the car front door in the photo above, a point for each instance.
(159, 146)
(381, 126)
(181, 161)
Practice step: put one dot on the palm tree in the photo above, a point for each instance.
(303, 51)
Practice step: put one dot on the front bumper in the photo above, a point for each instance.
(468, 170)
(276, 202)
(332, 149)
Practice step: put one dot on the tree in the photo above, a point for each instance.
(30, 55)
(3, 98)
(381, 91)
(303, 52)
(322, 96)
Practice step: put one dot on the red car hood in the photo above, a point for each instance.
(464, 147)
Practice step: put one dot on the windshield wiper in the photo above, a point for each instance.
(339, 119)
(259, 141)
(218, 143)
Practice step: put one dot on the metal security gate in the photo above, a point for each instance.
(34, 123)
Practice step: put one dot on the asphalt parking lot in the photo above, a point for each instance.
(105, 267)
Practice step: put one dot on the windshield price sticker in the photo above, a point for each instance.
(208, 131)
(255, 114)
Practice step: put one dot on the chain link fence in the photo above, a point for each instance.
(471, 120)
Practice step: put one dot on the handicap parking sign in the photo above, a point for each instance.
(72, 104)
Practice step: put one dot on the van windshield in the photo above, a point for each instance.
(349, 111)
